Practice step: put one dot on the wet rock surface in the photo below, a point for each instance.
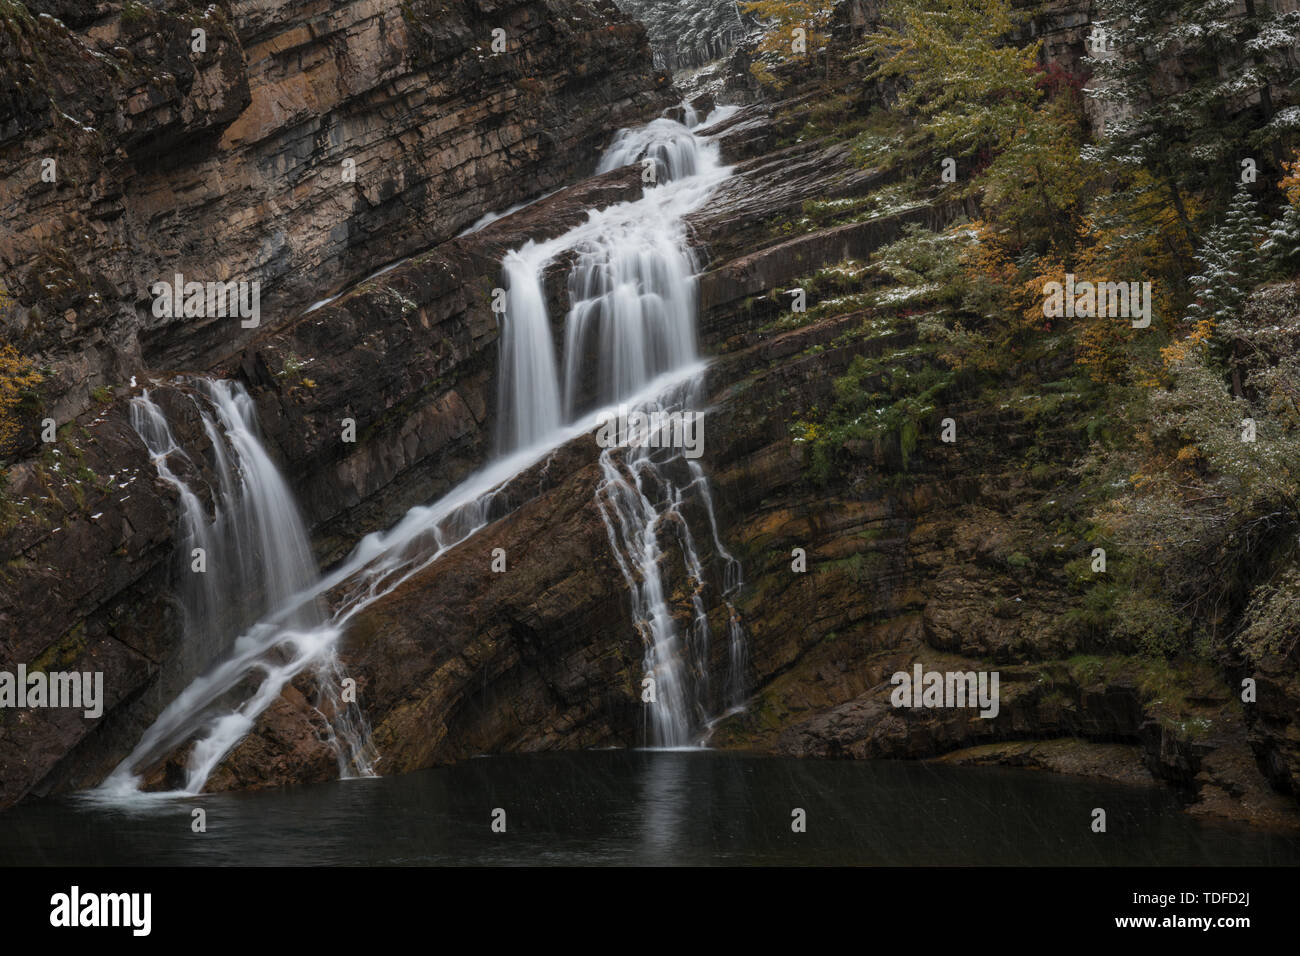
(227, 164)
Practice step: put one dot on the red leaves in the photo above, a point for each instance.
(1055, 79)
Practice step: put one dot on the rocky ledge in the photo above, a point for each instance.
(310, 143)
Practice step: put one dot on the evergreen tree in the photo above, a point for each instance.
(1194, 138)
(972, 89)
(1228, 264)
(1283, 244)
(793, 31)
(1282, 247)
(17, 376)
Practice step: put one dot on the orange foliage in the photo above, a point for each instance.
(1290, 183)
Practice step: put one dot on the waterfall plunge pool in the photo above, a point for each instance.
(638, 807)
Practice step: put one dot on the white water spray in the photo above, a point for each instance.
(646, 497)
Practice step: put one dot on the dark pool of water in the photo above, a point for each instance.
(621, 807)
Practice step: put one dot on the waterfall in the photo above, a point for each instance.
(201, 604)
(279, 647)
(632, 289)
(633, 309)
(527, 392)
(643, 499)
(252, 554)
(629, 292)
(632, 318)
(255, 575)
(674, 151)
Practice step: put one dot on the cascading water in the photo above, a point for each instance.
(629, 292)
(527, 389)
(632, 317)
(670, 145)
(252, 554)
(632, 289)
(644, 495)
(250, 562)
(201, 603)
(633, 294)
(279, 647)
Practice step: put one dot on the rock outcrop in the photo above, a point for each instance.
(691, 33)
(298, 145)
(229, 163)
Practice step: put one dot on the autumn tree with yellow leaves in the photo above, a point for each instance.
(794, 30)
(17, 377)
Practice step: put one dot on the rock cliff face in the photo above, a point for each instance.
(297, 144)
(461, 661)
(229, 164)
(919, 565)
(692, 33)
(925, 564)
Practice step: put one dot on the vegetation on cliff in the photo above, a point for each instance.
(1192, 423)
(18, 377)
